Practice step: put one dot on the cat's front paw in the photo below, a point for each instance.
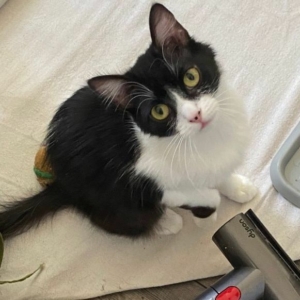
(170, 223)
(201, 222)
(239, 189)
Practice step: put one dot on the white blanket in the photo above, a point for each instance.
(48, 49)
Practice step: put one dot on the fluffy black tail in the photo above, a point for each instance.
(22, 215)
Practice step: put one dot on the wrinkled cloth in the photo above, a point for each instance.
(48, 49)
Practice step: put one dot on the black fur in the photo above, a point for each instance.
(92, 144)
(92, 150)
(200, 211)
(21, 215)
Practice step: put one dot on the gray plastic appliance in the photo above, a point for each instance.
(285, 168)
(262, 269)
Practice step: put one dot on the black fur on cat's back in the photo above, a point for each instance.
(92, 149)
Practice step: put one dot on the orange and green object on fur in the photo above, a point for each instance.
(42, 167)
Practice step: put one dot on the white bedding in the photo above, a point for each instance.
(49, 48)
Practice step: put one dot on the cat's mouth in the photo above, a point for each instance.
(201, 117)
(201, 122)
(204, 124)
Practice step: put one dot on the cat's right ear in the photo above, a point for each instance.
(167, 34)
(113, 87)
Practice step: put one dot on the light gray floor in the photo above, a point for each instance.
(182, 291)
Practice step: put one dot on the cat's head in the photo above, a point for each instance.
(174, 87)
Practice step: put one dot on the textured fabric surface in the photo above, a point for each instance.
(49, 48)
(2, 2)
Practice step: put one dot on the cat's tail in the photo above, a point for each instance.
(20, 216)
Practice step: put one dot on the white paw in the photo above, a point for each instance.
(170, 223)
(201, 222)
(239, 189)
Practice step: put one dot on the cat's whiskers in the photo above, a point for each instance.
(191, 149)
(232, 111)
(159, 59)
(185, 163)
(102, 94)
(136, 96)
(205, 87)
(179, 153)
(186, 130)
(216, 78)
(143, 91)
(231, 118)
(210, 88)
(147, 99)
(168, 149)
(171, 169)
(171, 145)
(109, 95)
(179, 156)
(226, 104)
(141, 86)
(224, 100)
(138, 84)
(218, 96)
(199, 156)
(205, 165)
(154, 61)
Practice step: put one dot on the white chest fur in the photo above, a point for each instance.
(201, 160)
(180, 163)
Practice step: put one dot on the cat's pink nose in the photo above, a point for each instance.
(197, 118)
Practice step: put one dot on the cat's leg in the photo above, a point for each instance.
(202, 203)
(238, 188)
(170, 223)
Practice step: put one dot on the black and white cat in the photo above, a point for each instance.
(167, 133)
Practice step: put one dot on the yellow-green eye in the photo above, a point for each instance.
(160, 112)
(191, 78)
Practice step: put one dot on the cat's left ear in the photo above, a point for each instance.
(167, 33)
(113, 87)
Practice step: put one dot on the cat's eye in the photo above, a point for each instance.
(191, 77)
(160, 112)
